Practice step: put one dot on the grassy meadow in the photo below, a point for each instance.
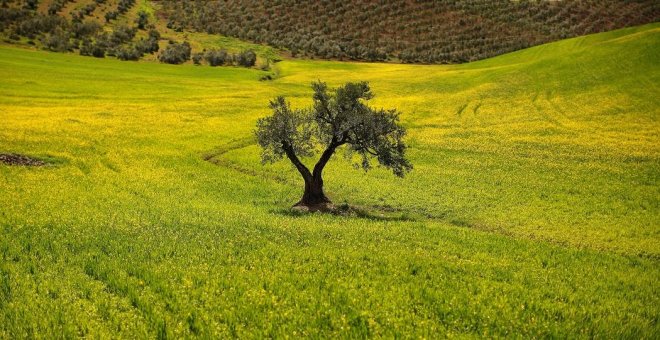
(532, 211)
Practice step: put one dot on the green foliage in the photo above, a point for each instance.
(55, 6)
(88, 48)
(336, 119)
(175, 53)
(197, 58)
(122, 34)
(142, 20)
(86, 29)
(128, 53)
(217, 57)
(368, 132)
(58, 41)
(285, 127)
(146, 46)
(110, 15)
(246, 58)
(31, 4)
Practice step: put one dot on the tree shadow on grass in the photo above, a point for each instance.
(351, 211)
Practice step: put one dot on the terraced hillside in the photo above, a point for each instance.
(409, 31)
(533, 209)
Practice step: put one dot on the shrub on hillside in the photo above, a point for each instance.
(58, 41)
(247, 58)
(175, 53)
(197, 58)
(41, 24)
(56, 6)
(86, 47)
(122, 34)
(98, 51)
(217, 57)
(111, 15)
(142, 20)
(86, 29)
(154, 34)
(147, 45)
(31, 4)
(124, 5)
(128, 53)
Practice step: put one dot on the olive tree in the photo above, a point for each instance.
(337, 119)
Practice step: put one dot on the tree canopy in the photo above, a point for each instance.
(336, 118)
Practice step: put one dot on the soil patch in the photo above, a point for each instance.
(20, 160)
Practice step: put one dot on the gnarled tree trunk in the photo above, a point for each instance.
(313, 196)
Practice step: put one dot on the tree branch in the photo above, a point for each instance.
(325, 157)
(288, 150)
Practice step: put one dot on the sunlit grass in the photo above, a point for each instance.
(532, 209)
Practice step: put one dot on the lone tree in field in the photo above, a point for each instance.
(339, 118)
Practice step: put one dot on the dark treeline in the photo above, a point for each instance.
(221, 57)
(451, 31)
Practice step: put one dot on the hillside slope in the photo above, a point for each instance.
(407, 31)
(533, 210)
(400, 31)
(126, 29)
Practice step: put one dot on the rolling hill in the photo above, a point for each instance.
(533, 209)
(396, 31)
(406, 31)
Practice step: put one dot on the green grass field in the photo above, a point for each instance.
(532, 211)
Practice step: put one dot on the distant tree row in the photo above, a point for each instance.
(221, 57)
(450, 31)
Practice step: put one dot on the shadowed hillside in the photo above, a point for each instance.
(408, 31)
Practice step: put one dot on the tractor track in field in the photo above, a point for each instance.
(215, 157)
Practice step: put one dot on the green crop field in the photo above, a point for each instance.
(533, 209)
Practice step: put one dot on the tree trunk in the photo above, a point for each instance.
(313, 198)
(313, 195)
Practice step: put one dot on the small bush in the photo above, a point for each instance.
(111, 15)
(147, 45)
(197, 58)
(98, 51)
(31, 4)
(128, 53)
(142, 20)
(58, 41)
(87, 48)
(175, 53)
(154, 34)
(217, 58)
(86, 29)
(122, 34)
(247, 58)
